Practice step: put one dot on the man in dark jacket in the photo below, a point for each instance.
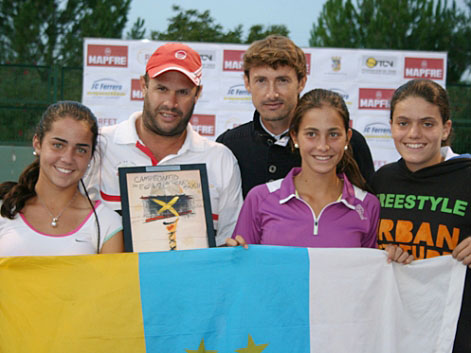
(275, 75)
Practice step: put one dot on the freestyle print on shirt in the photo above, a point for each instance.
(423, 239)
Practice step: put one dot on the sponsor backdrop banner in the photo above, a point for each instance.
(365, 78)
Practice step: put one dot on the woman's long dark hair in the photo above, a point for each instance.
(318, 98)
(16, 194)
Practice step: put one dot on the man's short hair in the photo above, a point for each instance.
(275, 51)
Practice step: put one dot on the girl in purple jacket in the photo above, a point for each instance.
(321, 204)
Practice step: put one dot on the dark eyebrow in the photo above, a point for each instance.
(425, 118)
(402, 117)
(316, 129)
(83, 144)
(159, 85)
(65, 141)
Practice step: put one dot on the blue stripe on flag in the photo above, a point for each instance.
(222, 296)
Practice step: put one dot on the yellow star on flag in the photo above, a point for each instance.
(201, 349)
(252, 347)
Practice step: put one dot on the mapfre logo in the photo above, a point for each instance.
(204, 124)
(375, 98)
(433, 69)
(107, 55)
(136, 92)
(233, 60)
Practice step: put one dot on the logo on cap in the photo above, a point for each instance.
(181, 55)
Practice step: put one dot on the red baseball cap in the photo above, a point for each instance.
(175, 57)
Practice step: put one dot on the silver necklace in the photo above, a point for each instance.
(55, 219)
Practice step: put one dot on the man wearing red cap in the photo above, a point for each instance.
(161, 134)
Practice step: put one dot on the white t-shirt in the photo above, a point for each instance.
(19, 238)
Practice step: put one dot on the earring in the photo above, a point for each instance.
(296, 145)
(34, 153)
(346, 147)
